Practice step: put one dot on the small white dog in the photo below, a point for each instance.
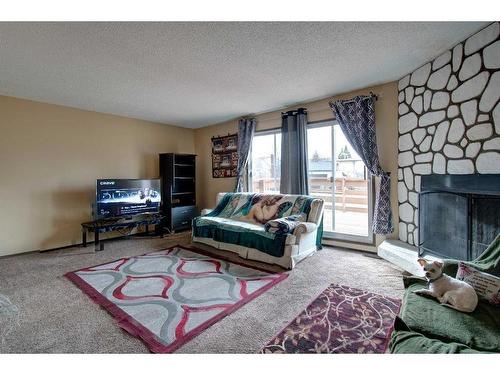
(447, 290)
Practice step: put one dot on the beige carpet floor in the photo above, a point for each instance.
(54, 316)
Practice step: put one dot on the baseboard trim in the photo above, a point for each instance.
(91, 243)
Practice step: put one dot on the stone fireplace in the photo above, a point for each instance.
(449, 121)
(459, 215)
(449, 125)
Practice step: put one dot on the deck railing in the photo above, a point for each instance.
(351, 194)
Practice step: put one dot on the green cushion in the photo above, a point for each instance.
(488, 261)
(407, 342)
(479, 330)
(427, 327)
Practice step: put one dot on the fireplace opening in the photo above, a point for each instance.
(459, 215)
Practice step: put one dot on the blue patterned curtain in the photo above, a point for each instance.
(357, 120)
(294, 152)
(246, 129)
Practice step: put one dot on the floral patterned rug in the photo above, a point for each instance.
(340, 320)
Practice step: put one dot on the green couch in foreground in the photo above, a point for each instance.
(424, 326)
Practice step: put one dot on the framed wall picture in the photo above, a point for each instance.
(225, 156)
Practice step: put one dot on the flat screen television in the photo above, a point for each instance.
(127, 197)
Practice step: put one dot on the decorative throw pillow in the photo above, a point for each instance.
(284, 225)
(486, 286)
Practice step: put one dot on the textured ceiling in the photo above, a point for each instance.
(197, 74)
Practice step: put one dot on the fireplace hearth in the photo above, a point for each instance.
(459, 215)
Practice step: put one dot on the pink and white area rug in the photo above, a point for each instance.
(340, 320)
(168, 297)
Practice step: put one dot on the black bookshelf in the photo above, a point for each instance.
(178, 190)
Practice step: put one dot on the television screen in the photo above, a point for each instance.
(123, 197)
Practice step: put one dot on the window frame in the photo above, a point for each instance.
(257, 133)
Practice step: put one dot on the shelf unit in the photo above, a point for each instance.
(178, 184)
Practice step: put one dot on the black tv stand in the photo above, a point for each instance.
(119, 223)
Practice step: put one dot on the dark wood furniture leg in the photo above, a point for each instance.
(84, 236)
(96, 239)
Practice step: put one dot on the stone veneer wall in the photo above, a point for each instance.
(449, 120)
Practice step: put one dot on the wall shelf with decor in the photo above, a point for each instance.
(225, 156)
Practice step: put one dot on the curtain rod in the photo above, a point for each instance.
(295, 111)
(372, 95)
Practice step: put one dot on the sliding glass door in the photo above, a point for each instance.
(338, 175)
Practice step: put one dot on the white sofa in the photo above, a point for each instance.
(298, 245)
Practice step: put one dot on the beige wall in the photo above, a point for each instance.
(387, 138)
(50, 157)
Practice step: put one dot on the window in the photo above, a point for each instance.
(264, 163)
(338, 176)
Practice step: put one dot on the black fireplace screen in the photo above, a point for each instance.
(485, 216)
(459, 215)
(444, 224)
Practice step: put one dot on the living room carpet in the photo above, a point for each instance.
(168, 297)
(53, 316)
(340, 320)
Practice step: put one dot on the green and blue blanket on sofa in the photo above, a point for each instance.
(240, 219)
